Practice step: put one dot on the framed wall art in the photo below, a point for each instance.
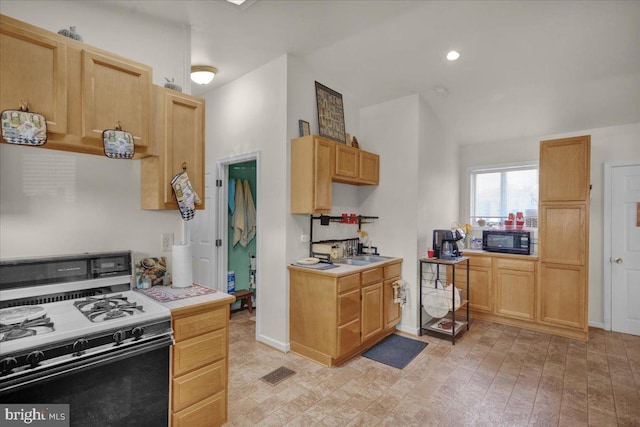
(304, 128)
(330, 113)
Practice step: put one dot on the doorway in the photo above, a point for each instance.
(241, 226)
(622, 248)
(230, 256)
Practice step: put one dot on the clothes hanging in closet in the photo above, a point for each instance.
(250, 211)
(239, 218)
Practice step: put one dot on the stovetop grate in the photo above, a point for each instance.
(64, 296)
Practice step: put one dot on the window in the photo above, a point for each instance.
(497, 191)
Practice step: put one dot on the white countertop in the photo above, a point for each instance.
(217, 296)
(346, 269)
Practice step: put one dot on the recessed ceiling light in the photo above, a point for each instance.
(236, 2)
(453, 55)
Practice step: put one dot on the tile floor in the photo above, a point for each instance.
(494, 376)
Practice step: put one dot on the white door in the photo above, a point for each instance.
(201, 232)
(625, 249)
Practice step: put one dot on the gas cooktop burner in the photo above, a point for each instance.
(27, 328)
(109, 307)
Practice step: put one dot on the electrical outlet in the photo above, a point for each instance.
(166, 242)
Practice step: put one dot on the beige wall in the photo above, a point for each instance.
(608, 145)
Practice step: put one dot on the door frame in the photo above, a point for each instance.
(222, 173)
(606, 242)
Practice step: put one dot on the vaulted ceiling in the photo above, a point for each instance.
(527, 68)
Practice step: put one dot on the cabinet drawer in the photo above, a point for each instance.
(513, 264)
(371, 276)
(477, 261)
(198, 385)
(210, 412)
(199, 351)
(348, 283)
(198, 324)
(349, 307)
(393, 270)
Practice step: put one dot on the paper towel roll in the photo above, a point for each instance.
(182, 266)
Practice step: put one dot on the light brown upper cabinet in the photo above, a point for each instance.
(33, 67)
(316, 162)
(564, 169)
(369, 168)
(79, 89)
(115, 90)
(347, 161)
(179, 138)
(311, 174)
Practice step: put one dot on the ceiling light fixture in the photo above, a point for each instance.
(236, 2)
(453, 55)
(203, 74)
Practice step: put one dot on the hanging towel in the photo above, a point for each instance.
(232, 195)
(239, 218)
(250, 212)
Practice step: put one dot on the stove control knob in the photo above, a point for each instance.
(35, 358)
(137, 332)
(119, 336)
(80, 346)
(7, 364)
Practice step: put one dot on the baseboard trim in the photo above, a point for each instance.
(594, 324)
(284, 347)
(407, 329)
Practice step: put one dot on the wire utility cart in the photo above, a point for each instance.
(436, 324)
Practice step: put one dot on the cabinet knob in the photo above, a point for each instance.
(618, 260)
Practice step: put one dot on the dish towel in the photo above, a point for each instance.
(232, 195)
(249, 231)
(238, 220)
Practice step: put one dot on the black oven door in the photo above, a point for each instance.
(128, 389)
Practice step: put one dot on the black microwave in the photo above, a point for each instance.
(509, 242)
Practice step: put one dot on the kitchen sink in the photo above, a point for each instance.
(362, 259)
(371, 258)
(352, 261)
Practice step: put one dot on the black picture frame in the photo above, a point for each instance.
(304, 128)
(330, 113)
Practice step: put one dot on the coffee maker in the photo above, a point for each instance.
(445, 244)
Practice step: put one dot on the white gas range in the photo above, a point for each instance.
(71, 317)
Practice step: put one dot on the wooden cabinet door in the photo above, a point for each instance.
(369, 168)
(565, 169)
(515, 288)
(115, 90)
(322, 175)
(371, 310)
(480, 289)
(178, 142)
(34, 68)
(562, 295)
(391, 309)
(311, 174)
(563, 233)
(347, 161)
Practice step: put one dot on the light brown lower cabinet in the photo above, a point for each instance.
(515, 288)
(521, 291)
(199, 365)
(333, 318)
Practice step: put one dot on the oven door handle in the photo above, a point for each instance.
(84, 362)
